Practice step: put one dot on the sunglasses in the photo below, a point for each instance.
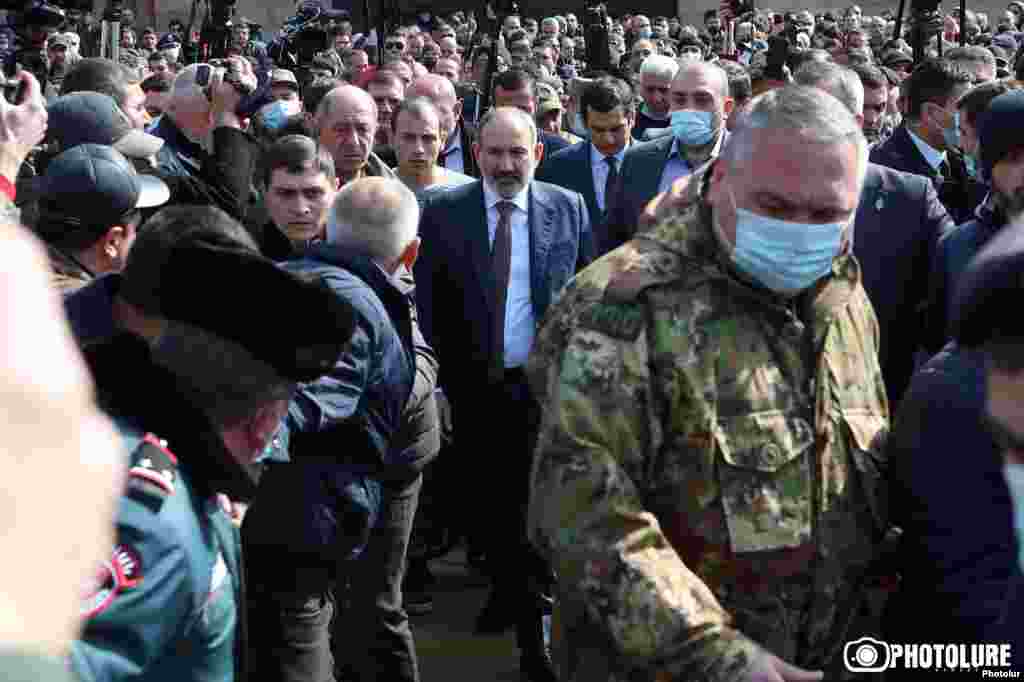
(394, 46)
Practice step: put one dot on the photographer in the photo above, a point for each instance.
(203, 138)
(22, 127)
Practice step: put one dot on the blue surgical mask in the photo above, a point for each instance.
(644, 33)
(783, 256)
(1014, 474)
(693, 128)
(275, 114)
(951, 135)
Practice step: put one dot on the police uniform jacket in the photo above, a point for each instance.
(165, 605)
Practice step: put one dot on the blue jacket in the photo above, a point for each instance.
(346, 428)
(571, 168)
(960, 578)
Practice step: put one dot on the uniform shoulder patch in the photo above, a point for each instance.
(640, 265)
(620, 321)
(122, 571)
(152, 475)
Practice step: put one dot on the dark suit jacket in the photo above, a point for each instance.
(960, 578)
(958, 194)
(898, 224)
(455, 285)
(638, 183)
(571, 168)
(552, 144)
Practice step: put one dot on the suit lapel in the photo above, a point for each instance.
(479, 244)
(659, 152)
(590, 196)
(541, 223)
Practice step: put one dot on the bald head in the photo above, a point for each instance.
(441, 93)
(376, 218)
(347, 123)
(345, 97)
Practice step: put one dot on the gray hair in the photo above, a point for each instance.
(374, 217)
(807, 115)
(842, 83)
(659, 66)
(523, 118)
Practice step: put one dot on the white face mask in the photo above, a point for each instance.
(1014, 474)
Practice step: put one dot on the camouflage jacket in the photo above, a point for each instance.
(709, 473)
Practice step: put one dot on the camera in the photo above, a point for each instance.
(305, 35)
(866, 655)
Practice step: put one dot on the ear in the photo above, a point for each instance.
(718, 171)
(860, 120)
(111, 242)
(727, 104)
(538, 152)
(476, 152)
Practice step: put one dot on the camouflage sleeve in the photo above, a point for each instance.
(590, 371)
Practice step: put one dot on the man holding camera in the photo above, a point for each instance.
(201, 126)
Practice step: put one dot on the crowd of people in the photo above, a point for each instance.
(700, 344)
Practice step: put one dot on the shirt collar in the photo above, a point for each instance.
(491, 197)
(454, 142)
(597, 157)
(932, 155)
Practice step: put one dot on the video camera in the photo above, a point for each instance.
(304, 35)
(595, 28)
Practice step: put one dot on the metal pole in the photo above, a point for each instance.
(897, 31)
(963, 19)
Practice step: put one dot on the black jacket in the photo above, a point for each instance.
(961, 581)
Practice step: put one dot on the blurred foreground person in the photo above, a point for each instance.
(41, 373)
(198, 392)
(708, 483)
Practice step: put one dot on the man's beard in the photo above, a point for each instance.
(509, 185)
(1012, 205)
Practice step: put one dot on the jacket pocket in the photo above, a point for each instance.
(868, 433)
(765, 479)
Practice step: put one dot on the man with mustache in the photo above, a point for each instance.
(494, 255)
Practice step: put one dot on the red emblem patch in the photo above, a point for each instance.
(122, 571)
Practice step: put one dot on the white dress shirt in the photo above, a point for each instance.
(520, 323)
(677, 166)
(599, 169)
(453, 160)
(932, 155)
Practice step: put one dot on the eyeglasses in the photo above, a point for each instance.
(394, 46)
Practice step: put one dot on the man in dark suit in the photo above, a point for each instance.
(494, 255)
(592, 167)
(699, 103)
(925, 143)
(895, 233)
(515, 88)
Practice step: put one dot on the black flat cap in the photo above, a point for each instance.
(987, 300)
